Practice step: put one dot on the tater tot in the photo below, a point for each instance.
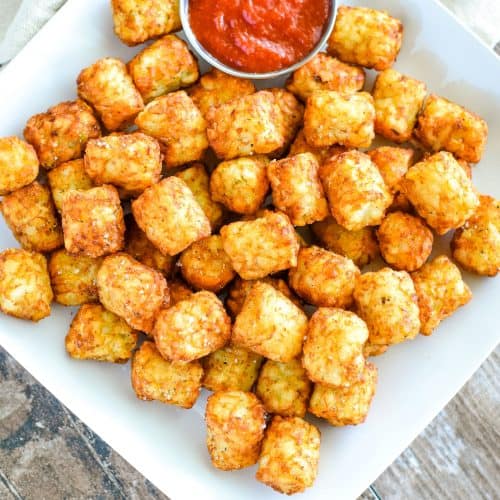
(290, 454)
(155, 378)
(333, 349)
(262, 246)
(231, 368)
(339, 118)
(31, 216)
(440, 291)
(297, 189)
(241, 184)
(170, 216)
(368, 37)
(398, 99)
(284, 388)
(405, 241)
(192, 328)
(323, 72)
(292, 113)
(165, 66)
(356, 192)
(178, 291)
(178, 124)
(61, 133)
(392, 163)
(131, 290)
(446, 125)
(206, 266)
(239, 289)
(345, 405)
(245, 126)
(140, 248)
(198, 181)
(108, 87)
(25, 290)
(92, 221)
(387, 301)
(360, 246)
(136, 21)
(131, 162)
(324, 278)
(18, 164)
(98, 334)
(216, 88)
(322, 154)
(476, 245)
(65, 177)
(73, 278)
(235, 428)
(441, 192)
(270, 324)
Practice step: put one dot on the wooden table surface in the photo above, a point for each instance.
(46, 452)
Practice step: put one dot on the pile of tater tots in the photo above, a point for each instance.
(151, 213)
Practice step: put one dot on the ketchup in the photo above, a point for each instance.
(258, 35)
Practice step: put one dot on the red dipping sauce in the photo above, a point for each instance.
(258, 36)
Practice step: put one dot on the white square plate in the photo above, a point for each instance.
(416, 378)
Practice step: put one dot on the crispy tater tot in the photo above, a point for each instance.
(65, 177)
(164, 66)
(392, 163)
(206, 266)
(61, 134)
(284, 388)
(476, 245)
(31, 216)
(98, 334)
(155, 378)
(235, 428)
(398, 99)
(339, 118)
(25, 290)
(170, 216)
(178, 124)
(231, 368)
(262, 246)
(323, 72)
(446, 125)
(387, 301)
(405, 241)
(131, 290)
(136, 21)
(356, 192)
(108, 87)
(239, 289)
(18, 164)
(297, 189)
(345, 405)
(198, 181)
(92, 221)
(368, 37)
(192, 328)
(300, 145)
(440, 291)
(140, 248)
(270, 324)
(252, 124)
(290, 454)
(293, 115)
(131, 162)
(73, 278)
(324, 278)
(359, 246)
(216, 88)
(441, 192)
(178, 291)
(333, 349)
